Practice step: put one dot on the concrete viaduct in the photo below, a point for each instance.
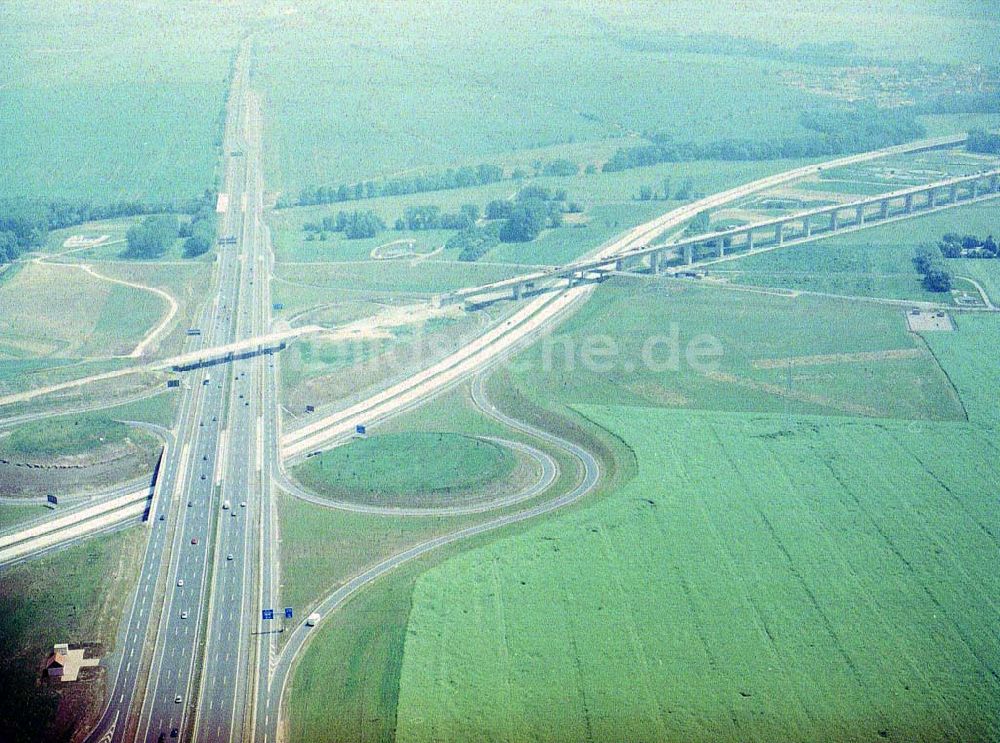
(765, 235)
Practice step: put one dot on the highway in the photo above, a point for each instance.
(157, 647)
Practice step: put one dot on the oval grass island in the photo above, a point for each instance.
(423, 469)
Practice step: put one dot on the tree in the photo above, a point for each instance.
(645, 193)
(701, 223)
(151, 237)
(471, 211)
(499, 209)
(561, 167)
(525, 222)
(9, 249)
(666, 189)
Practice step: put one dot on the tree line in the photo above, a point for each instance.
(953, 245)
(25, 224)
(833, 131)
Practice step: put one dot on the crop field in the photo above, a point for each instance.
(762, 577)
(61, 311)
(390, 469)
(105, 101)
(77, 596)
(473, 110)
(653, 343)
(876, 262)
(969, 355)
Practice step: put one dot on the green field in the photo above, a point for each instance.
(104, 101)
(874, 262)
(809, 355)
(477, 96)
(394, 469)
(762, 577)
(78, 596)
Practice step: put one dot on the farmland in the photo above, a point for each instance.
(767, 355)
(761, 574)
(469, 110)
(393, 468)
(106, 102)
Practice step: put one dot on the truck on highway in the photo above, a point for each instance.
(225, 505)
(312, 619)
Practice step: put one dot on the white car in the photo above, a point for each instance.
(180, 581)
(184, 615)
(243, 504)
(229, 556)
(177, 699)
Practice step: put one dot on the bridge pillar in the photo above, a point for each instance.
(519, 291)
(884, 209)
(807, 228)
(834, 224)
(779, 233)
(860, 214)
(654, 262)
(720, 246)
(620, 265)
(749, 240)
(953, 193)
(908, 203)
(973, 189)
(930, 197)
(994, 183)
(689, 254)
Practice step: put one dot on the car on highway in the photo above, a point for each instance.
(163, 517)
(243, 504)
(229, 556)
(177, 699)
(180, 581)
(184, 615)
(190, 503)
(194, 540)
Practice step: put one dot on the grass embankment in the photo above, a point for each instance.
(71, 435)
(77, 596)
(763, 577)
(407, 468)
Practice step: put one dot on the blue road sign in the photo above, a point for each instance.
(288, 612)
(360, 430)
(267, 613)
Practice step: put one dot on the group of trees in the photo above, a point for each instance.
(23, 226)
(834, 131)
(953, 245)
(199, 233)
(684, 191)
(475, 241)
(931, 265)
(355, 225)
(533, 209)
(151, 237)
(983, 141)
(432, 218)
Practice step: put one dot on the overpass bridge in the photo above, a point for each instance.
(767, 234)
(244, 349)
